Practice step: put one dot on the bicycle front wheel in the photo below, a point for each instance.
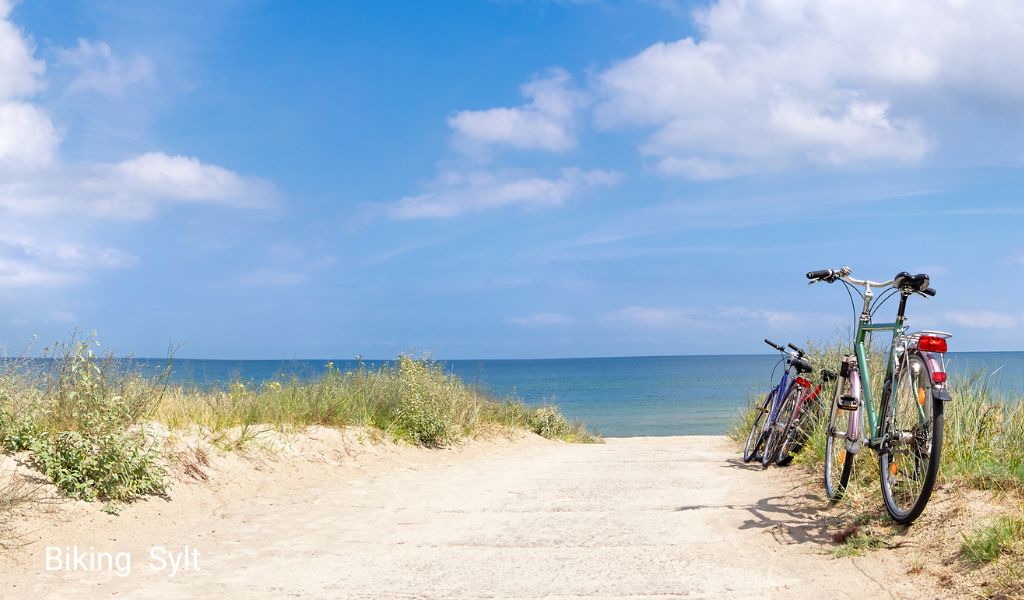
(838, 462)
(776, 429)
(756, 437)
(912, 430)
(795, 435)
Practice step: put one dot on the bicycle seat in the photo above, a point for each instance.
(904, 280)
(802, 365)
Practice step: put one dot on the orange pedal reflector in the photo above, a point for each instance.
(892, 469)
(920, 396)
(842, 455)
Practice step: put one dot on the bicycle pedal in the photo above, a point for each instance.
(848, 402)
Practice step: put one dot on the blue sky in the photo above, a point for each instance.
(503, 179)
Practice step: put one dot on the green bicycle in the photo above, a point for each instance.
(906, 432)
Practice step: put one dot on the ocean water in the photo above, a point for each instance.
(619, 397)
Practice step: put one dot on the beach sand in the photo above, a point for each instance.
(336, 516)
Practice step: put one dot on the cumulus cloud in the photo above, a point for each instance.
(769, 85)
(97, 69)
(543, 123)
(456, 192)
(38, 190)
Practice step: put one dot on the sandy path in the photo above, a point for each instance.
(636, 517)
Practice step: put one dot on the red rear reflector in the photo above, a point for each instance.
(800, 381)
(928, 343)
(938, 377)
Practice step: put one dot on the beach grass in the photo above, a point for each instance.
(85, 417)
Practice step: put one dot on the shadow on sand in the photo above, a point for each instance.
(797, 517)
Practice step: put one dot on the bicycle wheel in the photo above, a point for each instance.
(756, 438)
(776, 429)
(795, 434)
(912, 429)
(838, 462)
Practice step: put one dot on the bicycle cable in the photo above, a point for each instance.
(885, 298)
(775, 368)
(853, 305)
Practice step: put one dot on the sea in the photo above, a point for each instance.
(618, 397)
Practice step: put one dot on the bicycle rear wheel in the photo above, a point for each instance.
(755, 439)
(912, 429)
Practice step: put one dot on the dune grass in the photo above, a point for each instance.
(83, 417)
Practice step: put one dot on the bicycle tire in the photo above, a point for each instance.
(795, 434)
(835, 487)
(773, 444)
(755, 439)
(921, 441)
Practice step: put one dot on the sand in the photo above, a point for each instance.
(338, 517)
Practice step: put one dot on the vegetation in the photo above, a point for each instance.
(993, 539)
(85, 419)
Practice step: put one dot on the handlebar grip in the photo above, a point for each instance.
(822, 274)
(928, 291)
(773, 344)
(798, 349)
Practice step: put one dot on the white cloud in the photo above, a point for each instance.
(20, 71)
(28, 138)
(769, 318)
(651, 317)
(184, 178)
(456, 192)
(38, 190)
(99, 70)
(542, 318)
(675, 317)
(543, 123)
(985, 319)
(769, 84)
(26, 262)
(273, 277)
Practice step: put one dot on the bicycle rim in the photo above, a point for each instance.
(838, 462)
(913, 427)
(755, 438)
(791, 429)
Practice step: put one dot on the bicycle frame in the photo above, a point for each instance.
(871, 435)
(780, 393)
(860, 382)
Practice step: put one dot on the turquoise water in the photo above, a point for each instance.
(638, 396)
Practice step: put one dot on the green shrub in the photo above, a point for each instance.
(115, 466)
(424, 415)
(548, 421)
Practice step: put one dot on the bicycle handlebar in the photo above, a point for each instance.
(928, 291)
(822, 274)
(800, 351)
(774, 345)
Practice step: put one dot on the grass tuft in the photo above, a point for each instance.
(992, 540)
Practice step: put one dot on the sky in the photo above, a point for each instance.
(503, 179)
